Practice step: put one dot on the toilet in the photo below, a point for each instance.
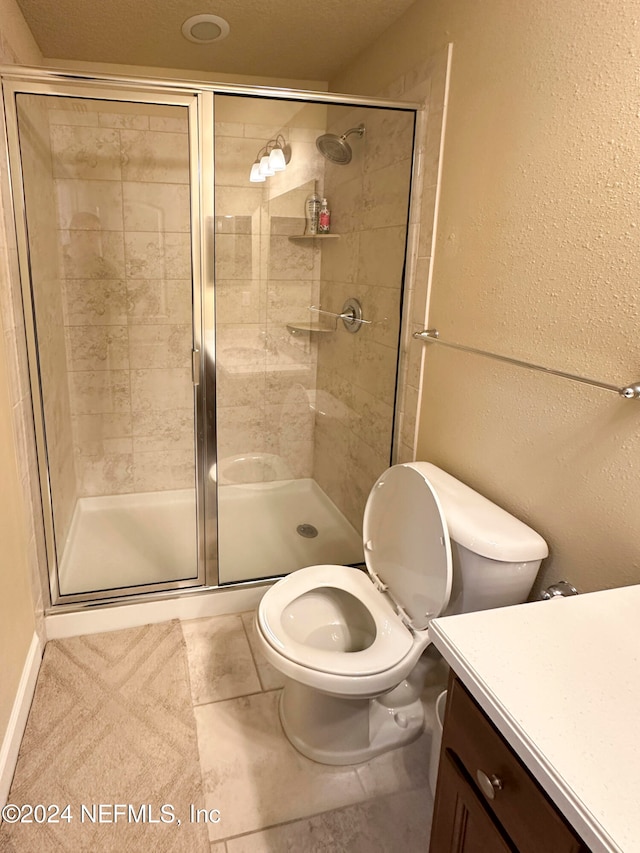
(352, 644)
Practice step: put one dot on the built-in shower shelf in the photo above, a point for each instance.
(295, 237)
(307, 329)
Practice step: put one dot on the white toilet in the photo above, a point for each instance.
(350, 643)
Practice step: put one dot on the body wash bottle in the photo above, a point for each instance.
(324, 218)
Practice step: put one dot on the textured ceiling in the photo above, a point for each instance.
(304, 39)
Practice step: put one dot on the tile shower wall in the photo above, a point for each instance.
(264, 281)
(121, 182)
(357, 372)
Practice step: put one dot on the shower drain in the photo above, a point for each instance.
(307, 530)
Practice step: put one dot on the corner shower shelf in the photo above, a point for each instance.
(294, 237)
(307, 328)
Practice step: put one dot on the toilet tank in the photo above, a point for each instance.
(496, 556)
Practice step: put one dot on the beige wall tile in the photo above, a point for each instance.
(150, 156)
(240, 430)
(288, 301)
(156, 207)
(291, 260)
(372, 421)
(105, 474)
(160, 346)
(158, 431)
(157, 256)
(235, 257)
(73, 118)
(90, 302)
(126, 121)
(89, 205)
(279, 383)
(233, 160)
(238, 301)
(240, 389)
(381, 254)
(341, 258)
(385, 199)
(159, 301)
(91, 254)
(99, 391)
(240, 201)
(103, 426)
(97, 347)
(375, 369)
(161, 389)
(86, 153)
(158, 471)
(388, 138)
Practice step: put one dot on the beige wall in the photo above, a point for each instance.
(537, 257)
(18, 542)
(16, 608)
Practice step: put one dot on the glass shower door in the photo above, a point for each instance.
(305, 407)
(108, 205)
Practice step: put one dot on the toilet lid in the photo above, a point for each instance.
(406, 543)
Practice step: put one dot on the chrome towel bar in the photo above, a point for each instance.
(628, 392)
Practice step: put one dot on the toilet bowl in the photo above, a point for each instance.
(351, 643)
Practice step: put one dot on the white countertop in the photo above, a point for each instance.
(561, 681)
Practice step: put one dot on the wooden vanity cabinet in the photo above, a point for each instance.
(486, 800)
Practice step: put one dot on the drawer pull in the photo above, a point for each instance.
(489, 785)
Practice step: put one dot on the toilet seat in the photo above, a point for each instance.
(408, 557)
(392, 641)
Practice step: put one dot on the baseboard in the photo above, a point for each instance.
(97, 619)
(18, 719)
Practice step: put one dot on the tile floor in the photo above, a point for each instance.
(273, 800)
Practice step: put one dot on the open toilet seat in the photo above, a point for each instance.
(293, 614)
(338, 630)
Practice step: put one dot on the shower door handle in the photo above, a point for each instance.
(195, 366)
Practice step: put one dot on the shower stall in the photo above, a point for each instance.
(214, 387)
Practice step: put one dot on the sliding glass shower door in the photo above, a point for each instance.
(305, 403)
(108, 206)
(204, 414)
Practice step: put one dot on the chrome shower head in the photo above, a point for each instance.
(335, 148)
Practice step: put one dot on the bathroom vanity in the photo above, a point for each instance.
(540, 749)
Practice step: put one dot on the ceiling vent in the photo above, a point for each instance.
(205, 29)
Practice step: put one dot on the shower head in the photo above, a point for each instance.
(336, 149)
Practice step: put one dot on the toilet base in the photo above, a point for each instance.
(337, 731)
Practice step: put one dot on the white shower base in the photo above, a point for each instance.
(130, 540)
(133, 540)
(257, 530)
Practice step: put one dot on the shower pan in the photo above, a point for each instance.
(200, 421)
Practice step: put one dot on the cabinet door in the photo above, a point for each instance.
(461, 824)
